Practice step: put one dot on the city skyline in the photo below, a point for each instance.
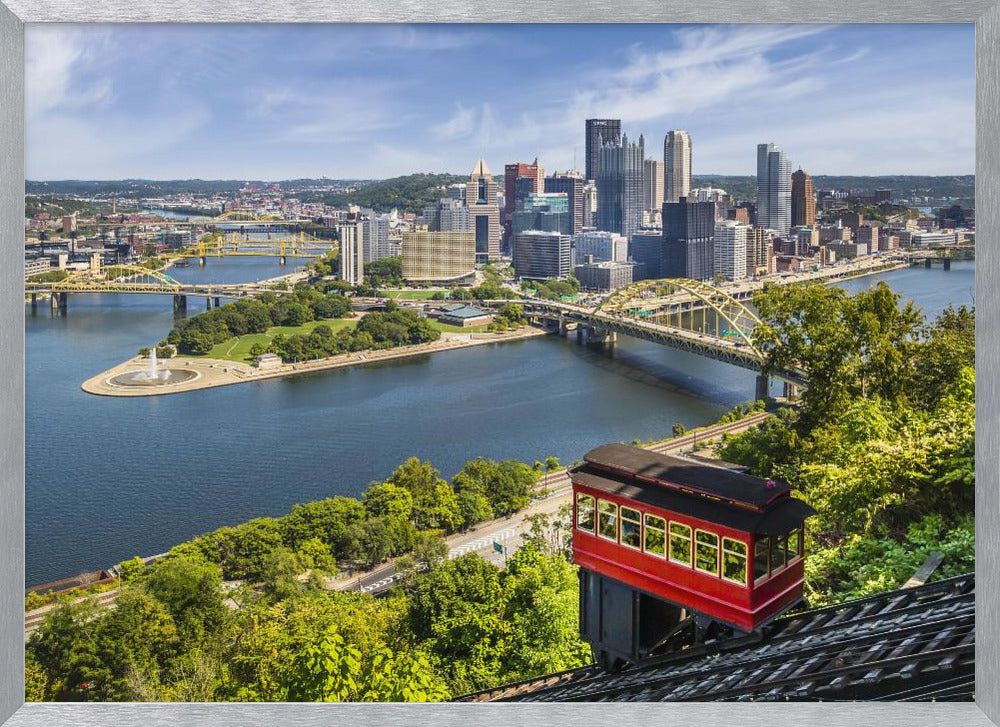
(358, 101)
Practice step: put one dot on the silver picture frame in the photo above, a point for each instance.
(14, 14)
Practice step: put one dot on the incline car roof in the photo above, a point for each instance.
(686, 476)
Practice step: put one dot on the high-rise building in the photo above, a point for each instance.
(601, 246)
(589, 204)
(376, 244)
(619, 185)
(645, 246)
(512, 192)
(438, 256)
(540, 255)
(570, 184)
(688, 230)
(352, 259)
(774, 189)
(803, 200)
(599, 131)
(484, 213)
(760, 252)
(448, 215)
(676, 165)
(730, 250)
(652, 185)
(547, 212)
(605, 276)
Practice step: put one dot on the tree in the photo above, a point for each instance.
(192, 594)
(434, 503)
(678, 430)
(388, 499)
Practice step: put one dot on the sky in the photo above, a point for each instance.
(373, 101)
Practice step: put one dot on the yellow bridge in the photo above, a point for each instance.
(287, 246)
(137, 280)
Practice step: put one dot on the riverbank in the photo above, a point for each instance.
(210, 372)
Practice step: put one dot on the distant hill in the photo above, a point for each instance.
(410, 193)
(962, 187)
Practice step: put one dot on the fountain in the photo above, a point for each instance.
(152, 376)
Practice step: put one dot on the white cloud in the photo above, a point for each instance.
(53, 58)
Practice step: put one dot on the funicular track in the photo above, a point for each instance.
(911, 644)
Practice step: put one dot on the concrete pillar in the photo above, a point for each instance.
(201, 260)
(34, 302)
(763, 388)
(180, 304)
(281, 260)
(63, 301)
(54, 301)
(947, 263)
(791, 391)
(208, 304)
(927, 263)
(217, 303)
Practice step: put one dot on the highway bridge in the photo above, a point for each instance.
(684, 314)
(137, 280)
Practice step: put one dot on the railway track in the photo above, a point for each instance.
(912, 644)
(34, 619)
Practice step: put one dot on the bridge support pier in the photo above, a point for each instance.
(208, 304)
(947, 263)
(927, 263)
(763, 389)
(34, 302)
(180, 304)
(281, 260)
(791, 391)
(201, 260)
(216, 301)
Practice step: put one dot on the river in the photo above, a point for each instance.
(109, 478)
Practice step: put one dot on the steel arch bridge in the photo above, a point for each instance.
(117, 278)
(671, 301)
(244, 216)
(301, 245)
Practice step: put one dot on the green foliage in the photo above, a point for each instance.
(556, 289)
(49, 276)
(509, 317)
(487, 488)
(129, 569)
(385, 273)
(409, 193)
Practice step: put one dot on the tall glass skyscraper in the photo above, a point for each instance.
(688, 234)
(774, 189)
(599, 131)
(619, 185)
(676, 165)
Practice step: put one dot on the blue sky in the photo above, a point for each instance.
(372, 101)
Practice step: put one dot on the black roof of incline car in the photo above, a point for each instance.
(702, 491)
(685, 475)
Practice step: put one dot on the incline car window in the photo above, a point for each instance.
(607, 519)
(777, 552)
(655, 541)
(734, 561)
(585, 512)
(631, 534)
(680, 544)
(706, 552)
(760, 549)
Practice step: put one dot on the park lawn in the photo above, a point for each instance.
(238, 349)
(445, 328)
(413, 294)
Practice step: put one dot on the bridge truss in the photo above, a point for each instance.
(114, 278)
(301, 245)
(676, 303)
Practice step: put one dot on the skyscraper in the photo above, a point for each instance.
(676, 165)
(730, 249)
(688, 230)
(512, 173)
(774, 189)
(599, 131)
(570, 184)
(352, 260)
(376, 244)
(803, 200)
(484, 214)
(541, 255)
(619, 185)
(652, 185)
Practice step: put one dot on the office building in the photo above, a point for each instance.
(599, 131)
(688, 230)
(352, 262)
(760, 252)
(376, 238)
(484, 212)
(719, 197)
(805, 239)
(601, 246)
(546, 212)
(570, 184)
(652, 186)
(541, 255)
(868, 235)
(803, 200)
(448, 215)
(589, 204)
(730, 250)
(774, 189)
(438, 256)
(513, 193)
(619, 185)
(676, 165)
(645, 247)
(604, 276)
